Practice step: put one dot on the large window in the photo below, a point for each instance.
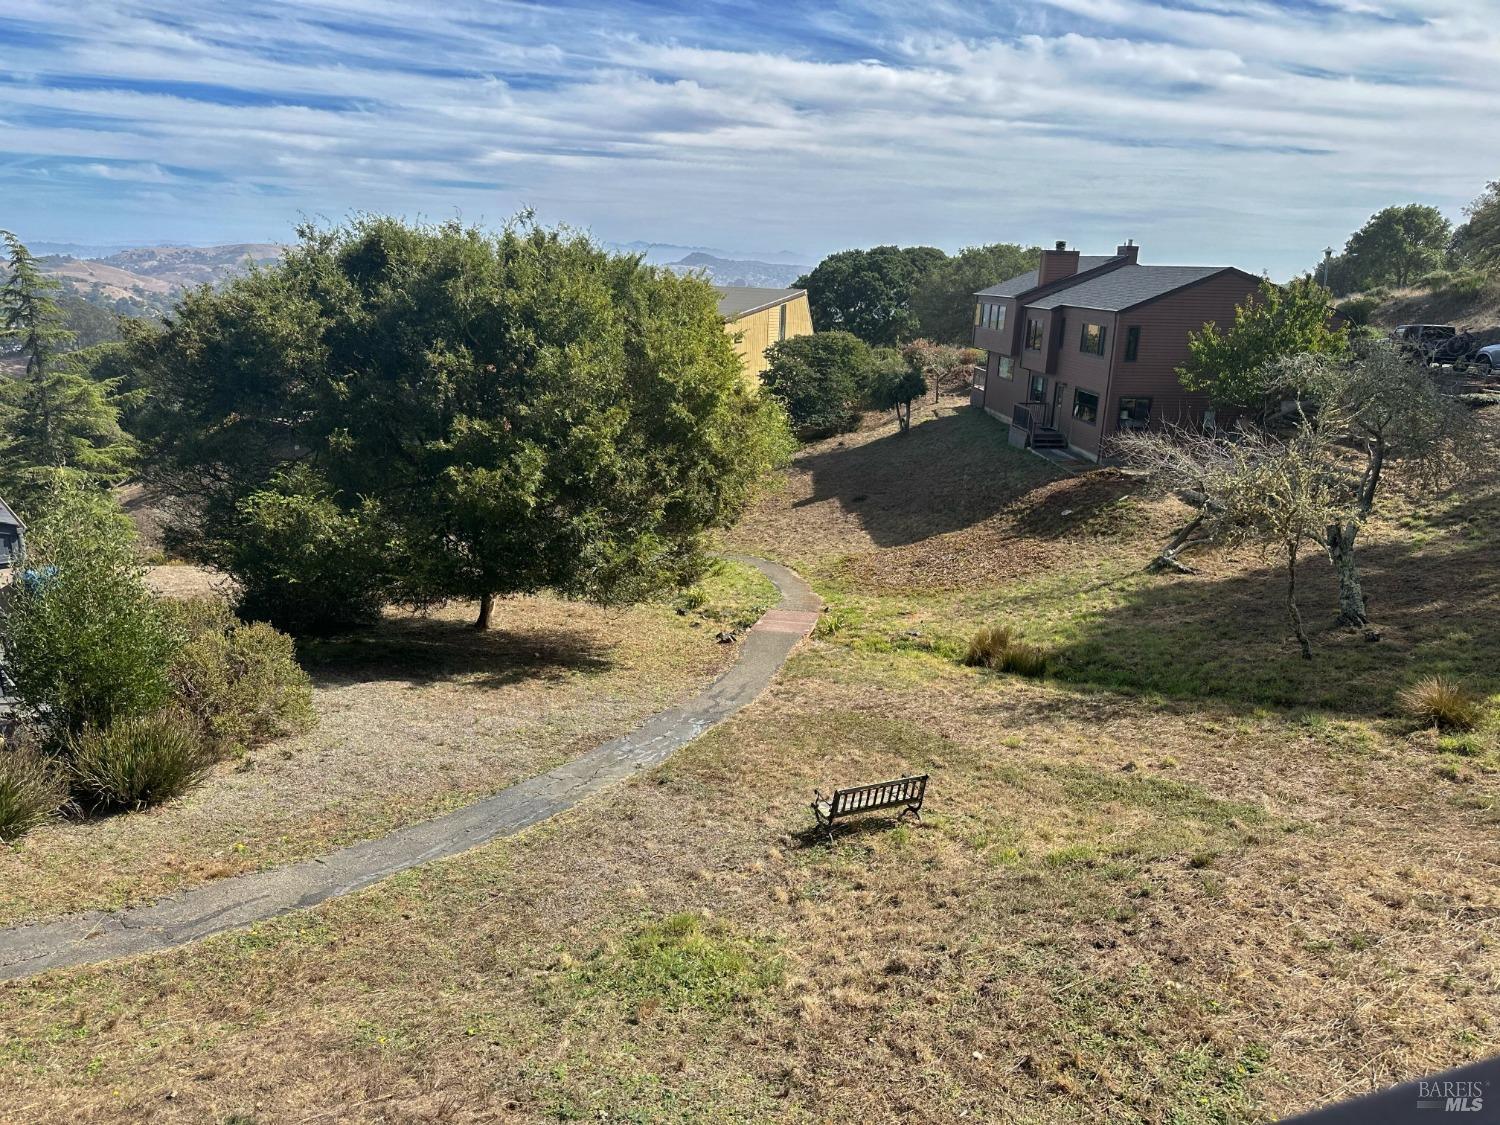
(1132, 343)
(1091, 340)
(1033, 335)
(1038, 389)
(1004, 370)
(1135, 413)
(989, 316)
(782, 328)
(1086, 406)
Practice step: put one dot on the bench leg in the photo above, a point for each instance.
(914, 810)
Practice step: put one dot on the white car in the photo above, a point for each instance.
(1487, 359)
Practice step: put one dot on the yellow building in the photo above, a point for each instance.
(757, 318)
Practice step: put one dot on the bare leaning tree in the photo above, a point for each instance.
(1248, 486)
(1313, 478)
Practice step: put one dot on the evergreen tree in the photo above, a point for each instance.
(56, 424)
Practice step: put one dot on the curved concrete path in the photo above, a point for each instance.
(242, 900)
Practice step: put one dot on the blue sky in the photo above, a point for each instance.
(1246, 132)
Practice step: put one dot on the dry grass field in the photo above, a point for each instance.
(1184, 879)
(415, 717)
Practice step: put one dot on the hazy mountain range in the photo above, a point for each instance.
(145, 280)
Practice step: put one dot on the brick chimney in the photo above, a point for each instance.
(1057, 264)
(1130, 250)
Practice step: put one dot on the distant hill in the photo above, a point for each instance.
(145, 280)
(733, 271)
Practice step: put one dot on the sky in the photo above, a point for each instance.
(1237, 132)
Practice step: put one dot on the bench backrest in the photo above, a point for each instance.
(883, 794)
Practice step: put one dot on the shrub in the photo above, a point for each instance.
(306, 564)
(239, 683)
(819, 379)
(136, 762)
(30, 791)
(1358, 310)
(1467, 285)
(83, 639)
(998, 648)
(1443, 703)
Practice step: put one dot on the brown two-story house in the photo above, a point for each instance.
(1083, 347)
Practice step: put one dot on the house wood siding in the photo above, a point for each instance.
(1081, 371)
(754, 332)
(1165, 325)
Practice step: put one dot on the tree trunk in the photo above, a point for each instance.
(1292, 612)
(486, 608)
(1352, 609)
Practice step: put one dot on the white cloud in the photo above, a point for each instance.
(1250, 133)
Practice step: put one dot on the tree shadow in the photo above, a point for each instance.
(424, 650)
(1228, 637)
(948, 473)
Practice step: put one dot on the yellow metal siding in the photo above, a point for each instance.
(754, 332)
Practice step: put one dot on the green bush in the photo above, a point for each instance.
(137, 762)
(819, 379)
(83, 639)
(306, 564)
(1443, 703)
(240, 683)
(1466, 285)
(1358, 310)
(30, 791)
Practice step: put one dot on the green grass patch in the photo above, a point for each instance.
(681, 962)
(732, 595)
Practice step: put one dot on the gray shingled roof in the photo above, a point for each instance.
(1125, 287)
(737, 300)
(8, 517)
(1015, 286)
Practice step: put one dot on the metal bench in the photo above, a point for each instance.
(905, 792)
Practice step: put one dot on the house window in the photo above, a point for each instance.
(1133, 344)
(979, 307)
(999, 318)
(1086, 406)
(1091, 340)
(1004, 370)
(1135, 413)
(782, 327)
(1033, 335)
(1038, 389)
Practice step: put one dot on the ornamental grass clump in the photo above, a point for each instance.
(1443, 703)
(31, 791)
(136, 763)
(996, 647)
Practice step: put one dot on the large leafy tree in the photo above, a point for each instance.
(56, 425)
(944, 302)
(1397, 246)
(1478, 240)
(870, 292)
(516, 411)
(1279, 321)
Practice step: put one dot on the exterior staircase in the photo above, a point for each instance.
(1045, 437)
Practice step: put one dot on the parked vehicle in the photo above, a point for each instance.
(1438, 343)
(1423, 338)
(1487, 359)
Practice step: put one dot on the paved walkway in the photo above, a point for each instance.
(230, 903)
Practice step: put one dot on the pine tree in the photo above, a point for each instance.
(56, 424)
